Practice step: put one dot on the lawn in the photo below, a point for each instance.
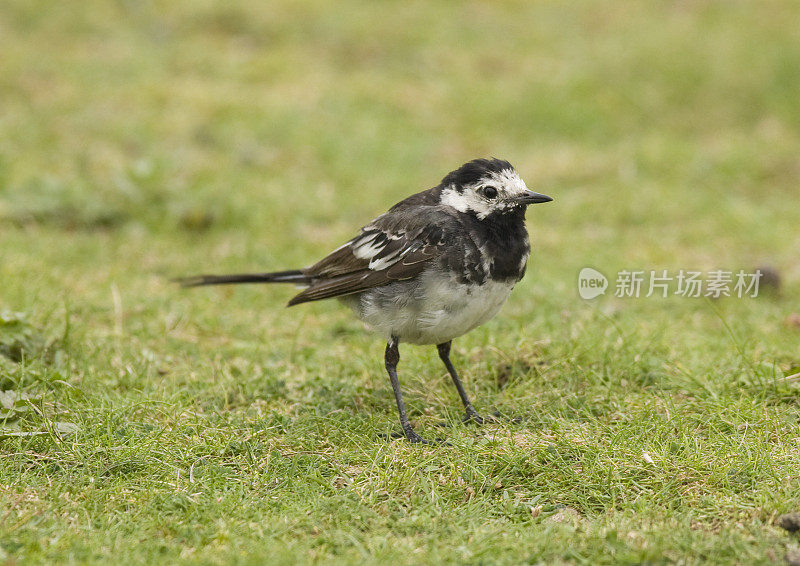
(144, 423)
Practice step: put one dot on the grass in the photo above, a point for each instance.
(143, 423)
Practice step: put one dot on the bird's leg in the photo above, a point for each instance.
(391, 358)
(472, 414)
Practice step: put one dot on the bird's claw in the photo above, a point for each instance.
(472, 417)
(475, 418)
(414, 438)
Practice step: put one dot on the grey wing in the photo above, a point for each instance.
(392, 248)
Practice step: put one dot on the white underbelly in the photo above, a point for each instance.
(433, 310)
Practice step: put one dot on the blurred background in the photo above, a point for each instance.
(667, 133)
(670, 124)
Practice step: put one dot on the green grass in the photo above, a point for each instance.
(147, 424)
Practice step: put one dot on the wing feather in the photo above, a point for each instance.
(396, 246)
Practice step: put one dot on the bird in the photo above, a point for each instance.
(433, 267)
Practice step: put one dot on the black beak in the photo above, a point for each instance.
(529, 197)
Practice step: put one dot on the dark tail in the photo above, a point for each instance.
(293, 276)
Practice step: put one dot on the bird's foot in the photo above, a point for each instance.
(472, 417)
(414, 438)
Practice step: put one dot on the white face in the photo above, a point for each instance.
(494, 193)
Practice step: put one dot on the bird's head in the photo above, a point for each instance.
(487, 186)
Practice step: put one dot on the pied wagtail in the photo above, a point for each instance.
(435, 266)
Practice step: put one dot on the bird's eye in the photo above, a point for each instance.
(490, 192)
